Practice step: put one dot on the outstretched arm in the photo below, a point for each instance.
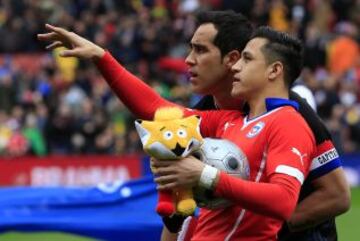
(142, 100)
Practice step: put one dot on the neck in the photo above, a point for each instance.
(257, 102)
(222, 95)
(224, 102)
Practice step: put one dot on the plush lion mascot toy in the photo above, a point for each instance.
(171, 136)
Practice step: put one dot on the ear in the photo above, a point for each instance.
(195, 120)
(144, 134)
(275, 70)
(231, 58)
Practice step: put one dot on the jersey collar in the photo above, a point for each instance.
(273, 103)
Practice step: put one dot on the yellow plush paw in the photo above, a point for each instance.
(186, 207)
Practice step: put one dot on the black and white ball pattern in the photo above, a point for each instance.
(225, 156)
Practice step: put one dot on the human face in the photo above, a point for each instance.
(206, 68)
(250, 71)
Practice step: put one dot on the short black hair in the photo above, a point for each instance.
(284, 48)
(233, 29)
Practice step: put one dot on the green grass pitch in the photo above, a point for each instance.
(348, 223)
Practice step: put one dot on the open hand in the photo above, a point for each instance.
(76, 45)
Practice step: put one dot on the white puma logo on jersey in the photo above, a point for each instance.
(227, 125)
(298, 153)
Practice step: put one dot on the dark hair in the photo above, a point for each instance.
(233, 29)
(284, 48)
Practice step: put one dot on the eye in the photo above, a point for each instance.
(168, 135)
(182, 133)
(199, 49)
(246, 58)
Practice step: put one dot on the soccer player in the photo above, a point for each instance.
(210, 52)
(277, 142)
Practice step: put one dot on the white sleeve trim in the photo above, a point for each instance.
(208, 176)
(291, 171)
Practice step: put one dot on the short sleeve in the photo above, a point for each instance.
(291, 146)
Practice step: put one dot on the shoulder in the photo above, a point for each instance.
(287, 115)
(312, 119)
(288, 121)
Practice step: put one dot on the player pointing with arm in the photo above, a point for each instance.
(276, 173)
(326, 194)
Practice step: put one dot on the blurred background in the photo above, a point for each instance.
(61, 125)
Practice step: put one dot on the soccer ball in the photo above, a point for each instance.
(225, 156)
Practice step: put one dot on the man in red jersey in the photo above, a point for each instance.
(276, 172)
(276, 140)
(206, 46)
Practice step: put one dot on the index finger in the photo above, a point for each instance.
(58, 30)
(47, 36)
(70, 36)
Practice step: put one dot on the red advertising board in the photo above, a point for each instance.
(68, 170)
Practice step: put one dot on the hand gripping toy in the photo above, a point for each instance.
(171, 136)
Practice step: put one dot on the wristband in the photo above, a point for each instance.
(208, 177)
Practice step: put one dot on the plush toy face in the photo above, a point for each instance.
(170, 139)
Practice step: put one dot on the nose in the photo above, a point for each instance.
(236, 67)
(190, 59)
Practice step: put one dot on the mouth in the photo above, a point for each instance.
(193, 75)
(236, 80)
(178, 150)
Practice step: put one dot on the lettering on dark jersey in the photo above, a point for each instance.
(324, 158)
(327, 156)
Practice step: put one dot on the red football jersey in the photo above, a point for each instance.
(278, 145)
(277, 142)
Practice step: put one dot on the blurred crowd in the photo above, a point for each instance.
(53, 105)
